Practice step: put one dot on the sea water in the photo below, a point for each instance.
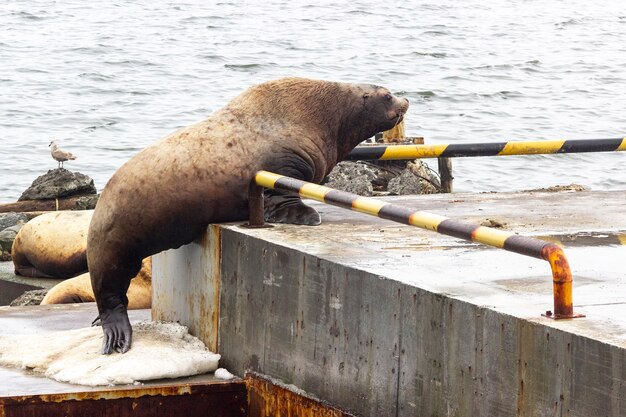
(108, 78)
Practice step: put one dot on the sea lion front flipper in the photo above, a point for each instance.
(281, 207)
(118, 332)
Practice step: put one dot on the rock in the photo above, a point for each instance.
(87, 202)
(7, 236)
(405, 184)
(352, 177)
(417, 178)
(383, 178)
(430, 181)
(29, 298)
(59, 183)
(11, 219)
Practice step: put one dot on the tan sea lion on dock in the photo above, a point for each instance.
(78, 289)
(52, 245)
(166, 195)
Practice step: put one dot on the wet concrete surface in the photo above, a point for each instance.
(589, 225)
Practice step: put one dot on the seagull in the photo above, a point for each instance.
(59, 154)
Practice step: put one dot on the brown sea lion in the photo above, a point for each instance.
(166, 195)
(78, 289)
(52, 245)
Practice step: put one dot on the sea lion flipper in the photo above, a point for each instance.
(289, 208)
(117, 330)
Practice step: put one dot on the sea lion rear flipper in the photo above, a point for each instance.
(30, 271)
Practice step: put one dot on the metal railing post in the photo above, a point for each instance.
(445, 174)
(256, 206)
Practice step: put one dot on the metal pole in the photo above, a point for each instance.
(256, 205)
(445, 174)
(396, 152)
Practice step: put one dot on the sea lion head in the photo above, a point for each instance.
(386, 109)
(373, 109)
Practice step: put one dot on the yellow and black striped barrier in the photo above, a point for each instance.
(395, 152)
(562, 276)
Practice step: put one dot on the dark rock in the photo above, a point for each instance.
(29, 298)
(7, 236)
(58, 183)
(11, 219)
(10, 224)
(87, 202)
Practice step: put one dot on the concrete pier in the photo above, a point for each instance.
(382, 319)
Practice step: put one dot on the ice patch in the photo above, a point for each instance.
(222, 373)
(160, 350)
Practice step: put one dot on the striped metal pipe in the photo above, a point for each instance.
(395, 152)
(562, 276)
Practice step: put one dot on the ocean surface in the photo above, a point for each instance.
(108, 78)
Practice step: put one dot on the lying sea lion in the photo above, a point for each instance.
(78, 289)
(52, 245)
(166, 195)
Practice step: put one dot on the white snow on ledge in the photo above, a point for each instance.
(159, 350)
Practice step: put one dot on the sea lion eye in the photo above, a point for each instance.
(388, 97)
(366, 95)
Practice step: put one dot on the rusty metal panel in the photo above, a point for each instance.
(185, 286)
(224, 399)
(268, 399)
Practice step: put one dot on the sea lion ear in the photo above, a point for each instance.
(367, 95)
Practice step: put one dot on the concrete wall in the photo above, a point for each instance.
(374, 346)
(186, 285)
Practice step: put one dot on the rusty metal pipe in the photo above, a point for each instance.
(561, 273)
(562, 282)
(256, 205)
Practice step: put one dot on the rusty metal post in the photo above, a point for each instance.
(562, 283)
(255, 205)
(445, 174)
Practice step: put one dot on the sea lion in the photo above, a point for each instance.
(78, 289)
(167, 194)
(52, 245)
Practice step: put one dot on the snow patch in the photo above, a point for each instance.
(159, 350)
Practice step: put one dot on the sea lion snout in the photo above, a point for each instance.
(399, 108)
